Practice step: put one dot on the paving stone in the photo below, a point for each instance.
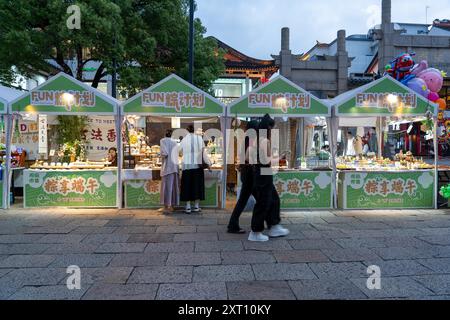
(193, 258)
(32, 277)
(259, 290)
(215, 246)
(325, 289)
(27, 261)
(381, 242)
(82, 260)
(61, 238)
(67, 248)
(193, 291)
(118, 275)
(133, 291)
(223, 273)
(135, 229)
(152, 237)
(341, 270)
(93, 230)
(224, 236)
(48, 293)
(394, 268)
(313, 244)
(176, 229)
(204, 236)
(50, 230)
(246, 257)
(298, 256)
(119, 247)
(23, 248)
(106, 238)
(139, 259)
(283, 271)
(439, 283)
(393, 287)
(4, 272)
(162, 222)
(199, 222)
(442, 240)
(85, 222)
(161, 274)
(211, 229)
(170, 247)
(351, 254)
(270, 245)
(402, 253)
(19, 238)
(123, 222)
(326, 234)
(440, 265)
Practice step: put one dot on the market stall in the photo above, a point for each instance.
(373, 180)
(172, 103)
(64, 175)
(310, 183)
(3, 122)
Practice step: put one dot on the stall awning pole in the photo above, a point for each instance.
(119, 156)
(331, 134)
(380, 136)
(436, 171)
(8, 176)
(224, 127)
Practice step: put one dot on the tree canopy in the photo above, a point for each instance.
(147, 38)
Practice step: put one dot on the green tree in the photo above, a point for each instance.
(147, 38)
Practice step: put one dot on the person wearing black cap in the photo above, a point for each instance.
(267, 207)
(246, 173)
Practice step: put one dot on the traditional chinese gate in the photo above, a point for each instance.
(64, 187)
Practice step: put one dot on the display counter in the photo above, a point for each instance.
(303, 188)
(142, 188)
(70, 188)
(386, 189)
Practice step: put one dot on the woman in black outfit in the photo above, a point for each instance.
(246, 172)
(267, 207)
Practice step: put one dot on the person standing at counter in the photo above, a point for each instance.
(350, 151)
(246, 173)
(193, 176)
(169, 195)
(112, 156)
(267, 207)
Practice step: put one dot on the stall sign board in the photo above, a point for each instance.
(42, 145)
(379, 190)
(146, 194)
(279, 97)
(299, 190)
(176, 97)
(384, 97)
(63, 94)
(86, 188)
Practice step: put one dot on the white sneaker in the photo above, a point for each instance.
(257, 236)
(278, 231)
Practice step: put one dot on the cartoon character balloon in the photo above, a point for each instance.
(418, 85)
(433, 78)
(400, 68)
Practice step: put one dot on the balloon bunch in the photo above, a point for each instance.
(445, 191)
(418, 77)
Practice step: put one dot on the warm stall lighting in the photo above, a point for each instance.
(392, 98)
(68, 97)
(176, 123)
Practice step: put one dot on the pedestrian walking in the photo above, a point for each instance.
(246, 175)
(267, 207)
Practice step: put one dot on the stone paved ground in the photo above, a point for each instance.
(142, 254)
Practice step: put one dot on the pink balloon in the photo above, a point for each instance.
(433, 96)
(433, 78)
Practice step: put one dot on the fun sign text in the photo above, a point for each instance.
(388, 101)
(281, 101)
(174, 100)
(65, 99)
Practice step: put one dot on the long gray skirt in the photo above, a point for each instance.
(170, 190)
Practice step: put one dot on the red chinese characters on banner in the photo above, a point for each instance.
(151, 187)
(384, 187)
(64, 185)
(294, 187)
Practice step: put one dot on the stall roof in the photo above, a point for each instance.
(279, 97)
(63, 94)
(373, 98)
(6, 95)
(176, 97)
